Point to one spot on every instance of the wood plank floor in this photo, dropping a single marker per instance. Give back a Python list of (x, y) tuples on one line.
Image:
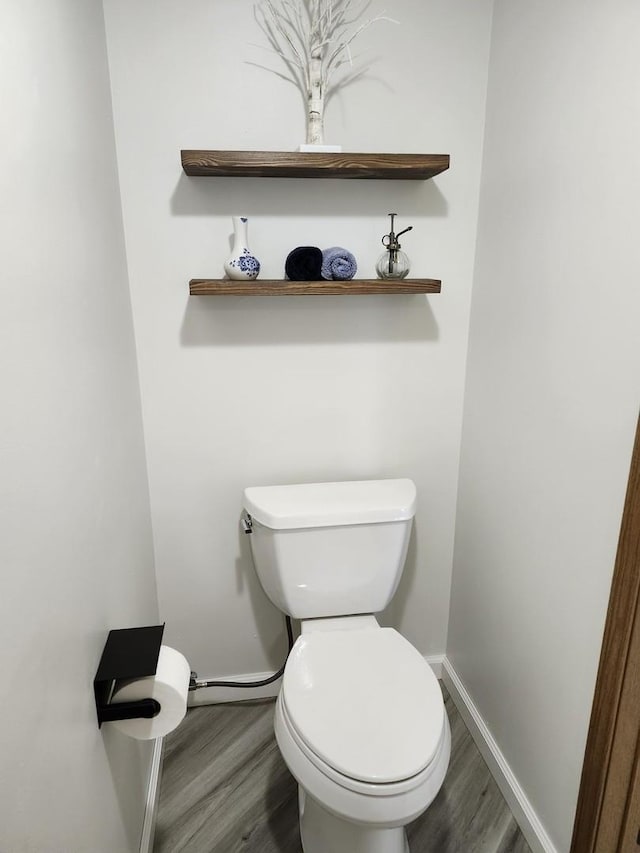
[(225, 789)]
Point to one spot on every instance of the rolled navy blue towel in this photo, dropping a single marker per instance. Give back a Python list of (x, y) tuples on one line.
[(304, 264), (338, 264)]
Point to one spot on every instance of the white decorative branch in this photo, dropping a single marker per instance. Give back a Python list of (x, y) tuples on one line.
[(313, 38)]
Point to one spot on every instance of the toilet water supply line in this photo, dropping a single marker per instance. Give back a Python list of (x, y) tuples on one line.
[(196, 683)]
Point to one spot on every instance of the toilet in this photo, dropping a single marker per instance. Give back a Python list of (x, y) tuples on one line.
[(360, 719)]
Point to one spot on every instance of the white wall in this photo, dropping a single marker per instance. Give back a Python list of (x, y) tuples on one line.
[(243, 391), (75, 540), (553, 378)]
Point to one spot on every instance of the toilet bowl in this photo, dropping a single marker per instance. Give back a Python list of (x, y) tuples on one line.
[(360, 723), (360, 719)]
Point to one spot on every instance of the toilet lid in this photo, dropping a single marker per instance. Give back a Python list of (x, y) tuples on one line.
[(366, 702)]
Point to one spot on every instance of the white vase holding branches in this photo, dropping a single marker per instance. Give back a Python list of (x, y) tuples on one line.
[(314, 38)]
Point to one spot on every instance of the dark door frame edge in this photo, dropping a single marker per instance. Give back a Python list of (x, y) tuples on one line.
[(622, 613)]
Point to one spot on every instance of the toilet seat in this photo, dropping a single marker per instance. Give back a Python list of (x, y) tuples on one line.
[(365, 790), (364, 706)]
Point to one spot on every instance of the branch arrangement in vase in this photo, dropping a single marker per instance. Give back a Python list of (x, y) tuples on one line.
[(314, 38)]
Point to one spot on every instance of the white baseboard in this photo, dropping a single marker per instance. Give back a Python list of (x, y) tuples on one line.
[(435, 662), (516, 799), (153, 792)]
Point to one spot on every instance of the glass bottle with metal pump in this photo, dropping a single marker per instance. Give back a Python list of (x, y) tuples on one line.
[(393, 263)]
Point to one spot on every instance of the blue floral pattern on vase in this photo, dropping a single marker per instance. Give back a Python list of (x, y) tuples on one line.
[(246, 263), (242, 265)]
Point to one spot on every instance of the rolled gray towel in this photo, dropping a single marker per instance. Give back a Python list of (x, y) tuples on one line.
[(338, 264)]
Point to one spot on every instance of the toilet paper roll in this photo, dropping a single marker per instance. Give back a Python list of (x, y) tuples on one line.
[(169, 686)]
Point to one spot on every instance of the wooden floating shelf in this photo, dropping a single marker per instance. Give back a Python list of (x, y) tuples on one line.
[(287, 164), (272, 287)]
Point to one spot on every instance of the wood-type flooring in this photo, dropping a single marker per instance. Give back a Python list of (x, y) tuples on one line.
[(225, 789)]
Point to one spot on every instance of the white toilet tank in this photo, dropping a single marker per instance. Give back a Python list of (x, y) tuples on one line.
[(331, 549)]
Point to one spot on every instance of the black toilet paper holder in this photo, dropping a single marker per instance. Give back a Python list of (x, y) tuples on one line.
[(128, 653)]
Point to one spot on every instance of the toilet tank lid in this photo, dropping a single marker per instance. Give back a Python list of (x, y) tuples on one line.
[(331, 504)]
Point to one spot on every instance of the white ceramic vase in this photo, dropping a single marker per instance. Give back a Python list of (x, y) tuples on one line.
[(241, 265)]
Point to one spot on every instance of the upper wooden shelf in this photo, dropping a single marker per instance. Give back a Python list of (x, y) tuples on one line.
[(287, 164), (271, 287)]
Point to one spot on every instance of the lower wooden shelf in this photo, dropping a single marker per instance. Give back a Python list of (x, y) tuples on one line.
[(273, 287)]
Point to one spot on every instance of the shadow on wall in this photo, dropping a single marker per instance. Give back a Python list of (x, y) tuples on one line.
[(291, 197), (246, 321)]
